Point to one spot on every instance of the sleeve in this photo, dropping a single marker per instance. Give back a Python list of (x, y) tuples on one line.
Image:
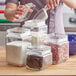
[(12, 1)]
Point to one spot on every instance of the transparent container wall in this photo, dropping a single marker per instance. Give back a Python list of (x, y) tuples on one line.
[(38, 58), (27, 14), (17, 34), (36, 25), (15, 52), (60, 48), (38, 38), (15, 46)]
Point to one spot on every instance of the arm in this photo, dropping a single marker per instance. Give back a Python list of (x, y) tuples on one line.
[(12, 10), (70, 3)]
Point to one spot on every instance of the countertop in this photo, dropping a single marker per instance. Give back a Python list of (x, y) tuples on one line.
[(66, 68)]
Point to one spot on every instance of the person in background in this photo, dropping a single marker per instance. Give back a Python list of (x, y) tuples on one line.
[(55, 14)]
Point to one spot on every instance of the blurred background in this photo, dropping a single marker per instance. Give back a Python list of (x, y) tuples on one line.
[(69, 21)]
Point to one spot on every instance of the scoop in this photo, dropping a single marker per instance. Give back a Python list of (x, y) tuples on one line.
[(41, 14)]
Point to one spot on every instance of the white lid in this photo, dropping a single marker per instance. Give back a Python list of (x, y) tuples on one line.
[(18, 43), (57, 38), (19, 32), (34, 23), (39, 50)]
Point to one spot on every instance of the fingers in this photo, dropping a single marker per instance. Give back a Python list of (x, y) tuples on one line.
[(20, 10), (16, 17), (52, 3)]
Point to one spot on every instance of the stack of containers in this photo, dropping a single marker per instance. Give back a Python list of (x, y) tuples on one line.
[(59, 46), (72, 42), (19, 50), (15, 47), (32, 46)]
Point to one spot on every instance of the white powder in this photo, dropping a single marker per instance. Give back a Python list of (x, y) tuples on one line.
[(15, 52)]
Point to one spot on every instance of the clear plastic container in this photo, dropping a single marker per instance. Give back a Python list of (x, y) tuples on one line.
[(16, 51), (38, 58), (18, 34), (38, 38), (16, 47), (59, 46), (36, 25), (26, 14)]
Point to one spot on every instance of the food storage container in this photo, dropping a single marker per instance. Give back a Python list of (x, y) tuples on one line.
[(26, 14), (72, 42), (59, 46), (38, 57), (16, 51), (36, 25), (16, 45), (38, 38), (18, 34)]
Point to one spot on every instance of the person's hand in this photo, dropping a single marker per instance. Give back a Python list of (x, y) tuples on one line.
[(52, 3), (21, 10)]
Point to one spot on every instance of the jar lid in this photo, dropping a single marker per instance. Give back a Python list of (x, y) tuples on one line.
[(18, 43), (18, 32), (57, 38), (39, 50), (34, 23)]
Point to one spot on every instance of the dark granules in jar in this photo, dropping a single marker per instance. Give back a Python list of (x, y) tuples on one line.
[(34, 62)]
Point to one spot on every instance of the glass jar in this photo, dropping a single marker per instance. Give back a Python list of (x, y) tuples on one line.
[(72, 42), (59, 46), (36, 25), (38, 57)]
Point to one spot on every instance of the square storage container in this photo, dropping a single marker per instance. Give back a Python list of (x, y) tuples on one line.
[(59, 46), (15, 52), (16, 47), (36, 25), (38, 57)]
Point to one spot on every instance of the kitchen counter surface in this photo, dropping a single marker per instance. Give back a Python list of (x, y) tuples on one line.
[(67, 68)]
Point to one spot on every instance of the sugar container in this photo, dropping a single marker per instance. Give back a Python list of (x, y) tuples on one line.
[(16, 47)]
